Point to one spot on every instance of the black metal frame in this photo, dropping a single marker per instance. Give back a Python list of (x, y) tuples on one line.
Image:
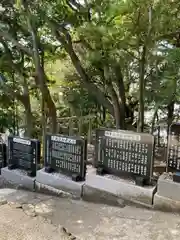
[(49, 161)]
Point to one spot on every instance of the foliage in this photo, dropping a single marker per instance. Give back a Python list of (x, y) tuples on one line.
[(114, 59)]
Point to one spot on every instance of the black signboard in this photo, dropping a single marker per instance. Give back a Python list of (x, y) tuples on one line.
[(173, 153), (24, 153), (2, 155), (67, 155), (125, 153)]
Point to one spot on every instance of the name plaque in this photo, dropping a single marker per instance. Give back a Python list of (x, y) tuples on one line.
[(173, 153), (119, 151), (67, 155), (24, 153)]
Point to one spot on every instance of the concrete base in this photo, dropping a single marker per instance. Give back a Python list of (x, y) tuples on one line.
[(113, 188), (167, 197), (18, 178), (166, 204), (167, 188), (41, 188), (59, 181)]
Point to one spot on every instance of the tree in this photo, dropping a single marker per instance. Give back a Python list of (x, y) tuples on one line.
[(113, 46), (22, 20)]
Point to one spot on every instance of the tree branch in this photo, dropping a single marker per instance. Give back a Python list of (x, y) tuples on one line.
[(85, 43), (66, 41), (7, 36)]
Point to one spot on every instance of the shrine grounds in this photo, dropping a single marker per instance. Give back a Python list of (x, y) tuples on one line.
[(67, 197)]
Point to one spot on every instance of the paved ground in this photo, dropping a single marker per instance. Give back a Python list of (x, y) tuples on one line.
[(28, 215), (16, 225)]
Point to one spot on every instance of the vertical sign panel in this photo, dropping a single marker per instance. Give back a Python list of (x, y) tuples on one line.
[(127, 152), (173, 156), (24, 153), (66, 154), (3, 155)]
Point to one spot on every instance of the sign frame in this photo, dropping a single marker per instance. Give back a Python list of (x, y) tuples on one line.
[(13, 162), (168, 167), (70, 140), (3, 152), (100, 162)]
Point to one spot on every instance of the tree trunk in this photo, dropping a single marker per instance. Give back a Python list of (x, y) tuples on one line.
[(28, 111), (103, 115), (29, 118), (25, 100), (41, 78), (153, 120), (141, 91), (170, 113), (118, 111), (122, 96), (92, 88), (41, 83), (84, 78)]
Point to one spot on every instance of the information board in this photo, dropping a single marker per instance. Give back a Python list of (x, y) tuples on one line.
[(66, 154), (119, 151), (24, 153), (3, 154), (173, 153)]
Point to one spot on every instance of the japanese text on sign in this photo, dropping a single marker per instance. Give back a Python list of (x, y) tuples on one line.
[(128, 137), (125, 151), (65, 154), (24, 153), (173, 158)]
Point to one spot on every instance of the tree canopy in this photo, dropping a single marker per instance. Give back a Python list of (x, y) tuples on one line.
[(118, 60)]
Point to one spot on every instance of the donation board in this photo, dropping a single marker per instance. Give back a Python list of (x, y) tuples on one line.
[(66, 154), (173, 156), (24, 153), (119, 151)]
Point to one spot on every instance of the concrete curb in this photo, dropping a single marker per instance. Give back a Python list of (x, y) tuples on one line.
[(94, 195), (167, 197), (45, 189), (60, 182), (166, 204), (100, 189), (106, 189), (167, 188), (19, 178), (113, 188)]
